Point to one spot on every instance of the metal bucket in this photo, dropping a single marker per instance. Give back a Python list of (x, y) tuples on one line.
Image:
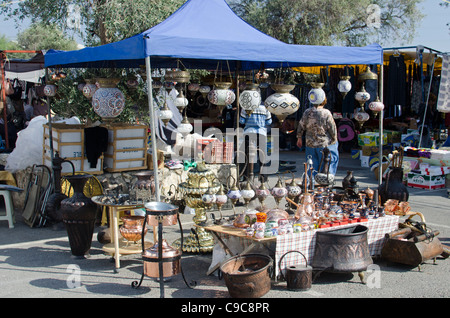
[(298, 277), (247, 276)]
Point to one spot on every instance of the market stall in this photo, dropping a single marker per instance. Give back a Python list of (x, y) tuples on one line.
[(231, 44)]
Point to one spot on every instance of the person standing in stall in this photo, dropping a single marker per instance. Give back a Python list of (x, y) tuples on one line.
[(320, 131)]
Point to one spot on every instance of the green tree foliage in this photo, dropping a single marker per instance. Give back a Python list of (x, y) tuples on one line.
[(331, 22), (41, 36)]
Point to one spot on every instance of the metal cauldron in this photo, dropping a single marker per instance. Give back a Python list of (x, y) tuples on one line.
[(343, 250), (298, 277), (247, 276)]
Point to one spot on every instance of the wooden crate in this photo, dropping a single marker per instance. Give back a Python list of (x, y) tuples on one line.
[(127, 147), (68, 140)]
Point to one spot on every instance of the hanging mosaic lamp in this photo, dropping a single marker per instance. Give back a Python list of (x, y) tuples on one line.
[(221, 95), (316, 95), (193, 88), (344, 85), (165, 114), (361, 116), (108, 101), (181, 102), (282, 103), (250, 98), (90, 88), (204, 90), (185, 127), (362, 96), (156, 83), (376, 106), (50, 90)]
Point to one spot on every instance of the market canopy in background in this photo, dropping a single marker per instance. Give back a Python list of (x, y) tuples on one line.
[(31, 70), (201, 33)]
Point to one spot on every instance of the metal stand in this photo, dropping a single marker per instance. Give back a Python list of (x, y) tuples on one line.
[(160, 216)]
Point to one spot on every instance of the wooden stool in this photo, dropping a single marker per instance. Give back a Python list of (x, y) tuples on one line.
[(9, 208)]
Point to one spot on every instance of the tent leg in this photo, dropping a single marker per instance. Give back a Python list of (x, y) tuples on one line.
[(152, 127)]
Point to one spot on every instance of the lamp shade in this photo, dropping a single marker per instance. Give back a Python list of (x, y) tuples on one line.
[(89, 89), (250, 98), (221, 94), (282, 103), (108, 101), (50, 90), (344, 85), (316, 95)]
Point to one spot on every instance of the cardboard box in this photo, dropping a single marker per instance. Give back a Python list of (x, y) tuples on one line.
[(417, 180), (373, 151), (371, 139)]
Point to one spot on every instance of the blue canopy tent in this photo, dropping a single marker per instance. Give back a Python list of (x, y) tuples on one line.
[(202, 33)]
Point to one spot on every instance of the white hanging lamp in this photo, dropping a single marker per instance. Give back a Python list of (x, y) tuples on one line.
[(165, 114), (344, 85), (221, 95), (250, 98), (376, 106), (180, 101), (316, 95), (282, 103), (185, 127)]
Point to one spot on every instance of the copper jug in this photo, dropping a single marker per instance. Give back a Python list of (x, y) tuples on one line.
[(170, 258)]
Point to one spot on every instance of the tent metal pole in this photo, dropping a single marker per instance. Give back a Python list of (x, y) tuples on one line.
[(152, 127), (237, 120), (380, 128)]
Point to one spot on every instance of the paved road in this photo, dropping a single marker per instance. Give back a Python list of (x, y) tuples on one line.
[(37, 263)]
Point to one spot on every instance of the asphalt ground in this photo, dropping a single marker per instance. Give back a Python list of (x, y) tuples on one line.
[(37, 262)]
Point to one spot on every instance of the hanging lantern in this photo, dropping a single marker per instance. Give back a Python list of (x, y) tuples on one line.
[(193, 88), (50, 90), (177, 76), (282, 103), (132, 82), (344, 85), (89, 89), (181, 102), (221, 95), (362, 96), (250, 98), (204, 90), (361, 116), (108, 101), (367, 75), (316, 95), (376, 106), (165, 114), (185, 127)]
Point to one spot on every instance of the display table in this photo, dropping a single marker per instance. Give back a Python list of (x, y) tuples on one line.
[(119, 246), (222, 232), (303, 241)]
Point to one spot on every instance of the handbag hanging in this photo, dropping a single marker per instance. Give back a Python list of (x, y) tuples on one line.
[(17, 88)]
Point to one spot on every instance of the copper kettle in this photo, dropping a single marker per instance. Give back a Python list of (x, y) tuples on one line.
[(170, 258)]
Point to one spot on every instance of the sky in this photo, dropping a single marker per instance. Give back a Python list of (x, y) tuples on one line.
[(432, 31)]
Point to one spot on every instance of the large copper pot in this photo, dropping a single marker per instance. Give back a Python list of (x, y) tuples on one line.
[(247, 276), (343, 250), (170, 259)]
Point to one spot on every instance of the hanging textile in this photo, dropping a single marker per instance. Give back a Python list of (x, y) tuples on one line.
[(396, 88), (443, 104)]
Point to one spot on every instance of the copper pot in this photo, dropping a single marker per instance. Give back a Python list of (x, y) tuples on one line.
[(170, 258), (131, 229)]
